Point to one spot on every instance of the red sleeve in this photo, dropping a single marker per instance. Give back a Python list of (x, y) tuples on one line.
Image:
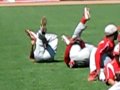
[(102, 47), (66, 54)]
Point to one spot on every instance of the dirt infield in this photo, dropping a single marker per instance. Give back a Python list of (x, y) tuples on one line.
[(59, 3)]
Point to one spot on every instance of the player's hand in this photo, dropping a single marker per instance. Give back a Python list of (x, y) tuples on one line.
[(72, 40), (101, 75)]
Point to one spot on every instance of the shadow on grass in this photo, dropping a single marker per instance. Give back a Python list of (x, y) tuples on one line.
[(50, 61), (80, 64)]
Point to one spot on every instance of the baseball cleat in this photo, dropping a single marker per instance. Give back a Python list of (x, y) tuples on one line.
[(86, 13), (92, 76), (31, 35), (28, 32), (43, 21), (65, 39), (43, 25)]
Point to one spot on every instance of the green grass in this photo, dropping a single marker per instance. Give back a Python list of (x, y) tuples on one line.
[(18, 73)]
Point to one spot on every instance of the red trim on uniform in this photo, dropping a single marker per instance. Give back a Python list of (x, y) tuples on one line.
[(106, 46), (83, 20), (67, 51), (66, 54)]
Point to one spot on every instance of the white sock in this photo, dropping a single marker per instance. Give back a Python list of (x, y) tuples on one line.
[(78, 30)]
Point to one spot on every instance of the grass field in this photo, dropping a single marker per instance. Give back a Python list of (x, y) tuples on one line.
[(18, 73)]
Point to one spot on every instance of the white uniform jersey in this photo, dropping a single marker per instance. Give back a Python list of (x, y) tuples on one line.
[(45, 53)]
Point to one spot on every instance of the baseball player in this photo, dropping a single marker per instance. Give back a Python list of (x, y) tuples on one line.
[(112, 69), (77, 52), (43, 44), (103, 53)]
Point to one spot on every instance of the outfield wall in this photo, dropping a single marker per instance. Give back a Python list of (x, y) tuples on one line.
[(54, 2), (12, 1)]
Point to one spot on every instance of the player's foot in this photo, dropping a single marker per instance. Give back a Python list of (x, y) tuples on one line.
[(92, 76), (65, 39), (43, 21), (28, 32), (32, 37), (71, 64), (87, 13), (43, 25)]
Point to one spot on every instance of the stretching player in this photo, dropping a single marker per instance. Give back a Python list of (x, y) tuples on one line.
[(44, 45), (78, 52), (103, 53)]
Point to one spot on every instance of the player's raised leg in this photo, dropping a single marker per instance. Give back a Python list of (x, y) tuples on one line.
[(81, 25)]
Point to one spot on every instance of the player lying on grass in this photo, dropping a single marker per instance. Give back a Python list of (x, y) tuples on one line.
[(103, 53), (77, 53), (43, 45)]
